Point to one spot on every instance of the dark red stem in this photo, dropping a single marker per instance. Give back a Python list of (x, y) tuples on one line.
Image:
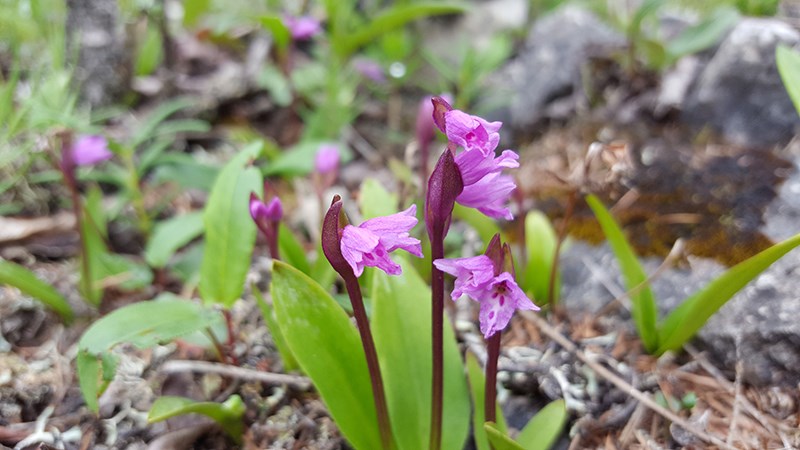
[(437, 302), (490, 392), (356, 300)]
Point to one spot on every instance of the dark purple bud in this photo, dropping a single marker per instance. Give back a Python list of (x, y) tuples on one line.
[(332, 226), (444, 186), (440, 108)]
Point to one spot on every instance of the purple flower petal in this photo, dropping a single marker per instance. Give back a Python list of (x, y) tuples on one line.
[(471, 274), (369, 244), (474, 165), (89, 150), (490, 195), (498, 303), (472, 132)]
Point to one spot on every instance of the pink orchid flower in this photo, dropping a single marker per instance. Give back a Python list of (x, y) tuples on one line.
[(370, 243)]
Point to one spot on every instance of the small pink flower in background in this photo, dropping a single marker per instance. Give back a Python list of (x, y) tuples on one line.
[(267, 217), (260, 211), (499, 296), (370, 69), (302, 28), (89, 150), (327, 159), (370, 243)]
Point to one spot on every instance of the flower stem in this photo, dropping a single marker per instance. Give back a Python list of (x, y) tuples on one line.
[(86, 282), (356, 300), (490, 392), (437, 326)]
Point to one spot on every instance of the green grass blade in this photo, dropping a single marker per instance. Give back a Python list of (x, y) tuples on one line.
[(788, 61), (643, 303), (29, 284), (692, 314)]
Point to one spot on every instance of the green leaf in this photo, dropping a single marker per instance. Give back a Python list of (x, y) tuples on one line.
[(170, 235), (704, 34), (279, 31), (485, 226), (271, 321), (29, 284), (540, 245), (271, 79), (147, 323), (375, 200), (150, 51), (142, 324), (498, 439), (147, 129), (227, 414), (193, 10), (643, 303), (477, 384), (788, 62), (93, 232), (230, 233), (388, 20), (328, 348), (401, 324), (545, 427), (682, 323), (292, 250), (122, 272)]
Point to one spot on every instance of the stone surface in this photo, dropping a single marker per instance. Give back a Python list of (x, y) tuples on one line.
[(740, 93), (545, 78), (103, 69)]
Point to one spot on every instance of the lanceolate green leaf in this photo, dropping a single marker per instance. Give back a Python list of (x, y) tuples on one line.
[(477, 385), (142, 324), (692, 314), (170, 235), (376, 200), (401, 324), (540, 245), (545, 427), (485, 226), (328, 348), (292, 250), (643, 303), (227, 414), (705, 34), (230, 233), (24, 280), (268, 313), (499, 440), (788, 61)]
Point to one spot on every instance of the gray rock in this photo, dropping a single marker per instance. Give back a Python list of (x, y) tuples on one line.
[(95, 31), (545, 78), (740, 93)]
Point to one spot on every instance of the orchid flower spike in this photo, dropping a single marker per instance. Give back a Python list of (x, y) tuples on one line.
[(369, 244), (489, 280), (486, 187)]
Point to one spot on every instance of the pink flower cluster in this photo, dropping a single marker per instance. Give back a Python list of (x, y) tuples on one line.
[(498, 295), (486, 188)]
